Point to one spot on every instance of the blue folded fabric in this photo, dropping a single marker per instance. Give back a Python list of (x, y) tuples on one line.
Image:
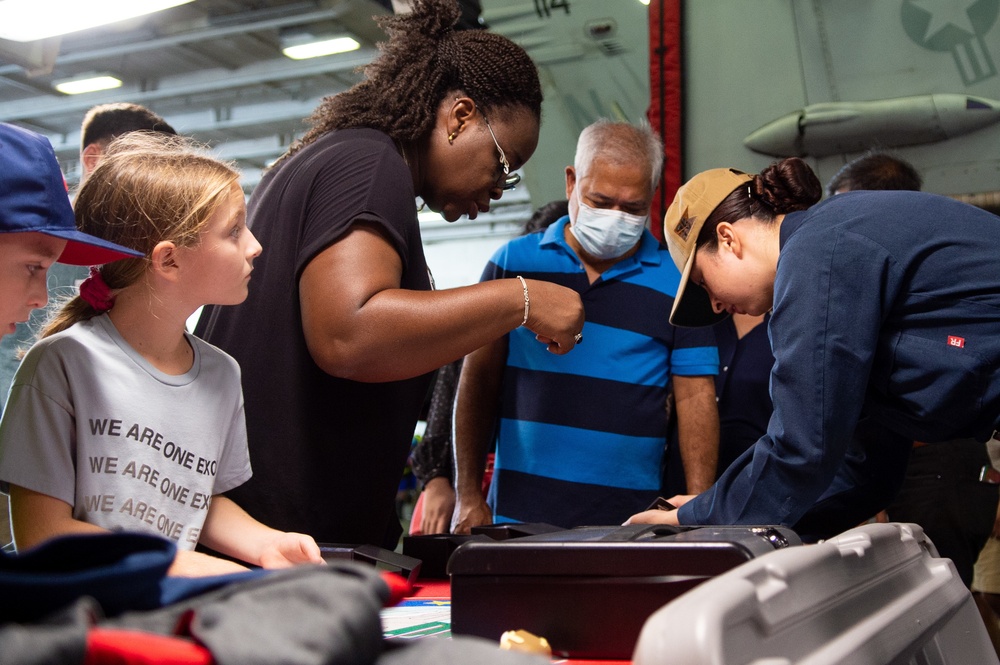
[(122, 571)]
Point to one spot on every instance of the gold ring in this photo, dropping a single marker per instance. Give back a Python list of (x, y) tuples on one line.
[(578, 337)]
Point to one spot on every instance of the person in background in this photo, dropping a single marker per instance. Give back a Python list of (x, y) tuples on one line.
[(341, 331), (879, 338), (545, 215), (875, 170), (119, 420), (579, 439), (986, 572), (433, 458), (741, 389), (105, 122)]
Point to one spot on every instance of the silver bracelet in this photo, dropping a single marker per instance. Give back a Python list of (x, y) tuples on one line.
[(527, 303)]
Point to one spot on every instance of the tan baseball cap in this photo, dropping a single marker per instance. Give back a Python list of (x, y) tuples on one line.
[(692, 205)]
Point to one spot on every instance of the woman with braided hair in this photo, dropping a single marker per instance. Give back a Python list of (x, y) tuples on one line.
[(885, 312), (342, 330)]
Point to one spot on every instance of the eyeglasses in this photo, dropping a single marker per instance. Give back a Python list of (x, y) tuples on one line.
[(509, 180)]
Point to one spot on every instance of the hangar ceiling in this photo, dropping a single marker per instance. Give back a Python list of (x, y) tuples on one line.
[(213, 68)]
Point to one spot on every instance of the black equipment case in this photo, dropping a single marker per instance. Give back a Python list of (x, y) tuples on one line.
[(434, 550), (589, 590)]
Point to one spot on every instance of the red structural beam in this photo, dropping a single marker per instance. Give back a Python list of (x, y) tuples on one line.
[(665, 100)]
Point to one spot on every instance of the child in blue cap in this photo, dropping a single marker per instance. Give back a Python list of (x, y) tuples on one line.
[(37, 226)]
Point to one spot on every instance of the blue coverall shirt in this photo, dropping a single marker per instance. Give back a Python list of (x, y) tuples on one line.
[(886, 310)]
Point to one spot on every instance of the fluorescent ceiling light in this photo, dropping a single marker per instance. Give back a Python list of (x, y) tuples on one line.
[(316, 49), (89, 84), (29, 20)]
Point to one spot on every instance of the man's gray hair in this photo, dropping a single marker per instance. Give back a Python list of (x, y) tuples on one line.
[(619, 143)]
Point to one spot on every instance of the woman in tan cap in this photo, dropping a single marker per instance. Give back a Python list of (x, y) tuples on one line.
[(885, 313)]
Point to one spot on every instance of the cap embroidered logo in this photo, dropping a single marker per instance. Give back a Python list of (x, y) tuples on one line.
[(683, 227)]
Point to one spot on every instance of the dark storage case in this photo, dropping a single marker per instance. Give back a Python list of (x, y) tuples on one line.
[(394, 562), (434, 550), (589, 590)]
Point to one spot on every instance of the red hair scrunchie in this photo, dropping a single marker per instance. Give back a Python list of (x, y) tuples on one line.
[(96, 292)]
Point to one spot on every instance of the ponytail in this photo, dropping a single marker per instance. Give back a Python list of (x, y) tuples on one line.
[(95, 298)]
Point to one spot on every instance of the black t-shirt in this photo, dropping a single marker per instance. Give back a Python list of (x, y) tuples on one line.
[(327, 453)]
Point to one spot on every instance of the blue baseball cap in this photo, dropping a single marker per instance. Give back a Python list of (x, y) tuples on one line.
[(33, 198)]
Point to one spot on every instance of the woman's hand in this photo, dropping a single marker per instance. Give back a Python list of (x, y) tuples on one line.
[(661, 516), (654, 517), (555, 315), (680, 499)]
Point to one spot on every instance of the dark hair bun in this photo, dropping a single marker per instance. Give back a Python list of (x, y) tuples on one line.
[(788, 185)]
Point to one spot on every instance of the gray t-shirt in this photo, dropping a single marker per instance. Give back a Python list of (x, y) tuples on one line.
[(92, 423)]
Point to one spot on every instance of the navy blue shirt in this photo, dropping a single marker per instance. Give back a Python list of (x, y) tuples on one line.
[(886, 305), (742, 388)]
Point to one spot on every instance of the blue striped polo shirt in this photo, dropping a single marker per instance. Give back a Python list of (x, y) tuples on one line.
[(581, 435)]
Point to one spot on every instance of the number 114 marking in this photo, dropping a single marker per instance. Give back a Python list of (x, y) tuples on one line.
[(545, 7)]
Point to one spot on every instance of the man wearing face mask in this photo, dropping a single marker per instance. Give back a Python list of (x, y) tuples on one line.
[(580, 438)]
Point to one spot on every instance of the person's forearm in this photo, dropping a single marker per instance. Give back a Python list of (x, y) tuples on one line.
[(359, 323), (476, 410), (399, 333), (230, 530), (36, 518), (697, 430), (25, 538), (197, 564), (476, 407)]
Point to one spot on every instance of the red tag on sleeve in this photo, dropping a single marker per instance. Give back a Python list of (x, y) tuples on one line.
[(956, 341)]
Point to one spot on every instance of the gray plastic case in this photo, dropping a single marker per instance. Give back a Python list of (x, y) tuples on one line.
[(876, 594)]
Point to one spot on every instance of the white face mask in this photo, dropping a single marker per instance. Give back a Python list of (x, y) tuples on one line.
[(606, 234)]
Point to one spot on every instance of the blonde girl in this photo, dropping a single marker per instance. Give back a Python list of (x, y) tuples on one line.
[(118, 419)]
